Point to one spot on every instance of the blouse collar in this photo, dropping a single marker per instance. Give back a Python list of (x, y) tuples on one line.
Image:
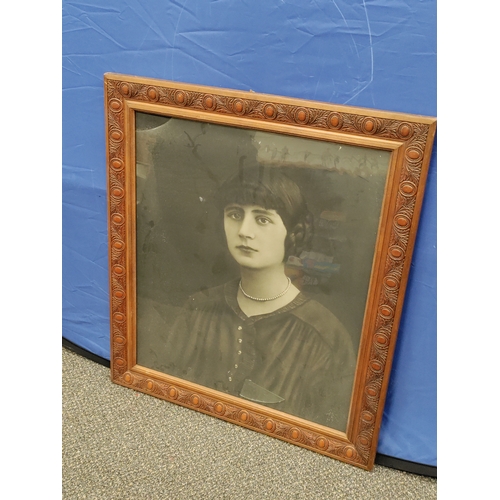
[(231, 293)]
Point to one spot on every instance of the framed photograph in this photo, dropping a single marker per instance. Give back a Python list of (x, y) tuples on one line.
[(259, 253)]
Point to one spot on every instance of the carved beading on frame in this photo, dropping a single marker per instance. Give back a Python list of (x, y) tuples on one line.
[(413, 137)]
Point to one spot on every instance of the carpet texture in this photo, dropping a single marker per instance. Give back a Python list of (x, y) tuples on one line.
[(124, 445)]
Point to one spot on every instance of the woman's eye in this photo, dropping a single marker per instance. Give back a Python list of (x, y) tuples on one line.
[(234, 215), (263, 221)]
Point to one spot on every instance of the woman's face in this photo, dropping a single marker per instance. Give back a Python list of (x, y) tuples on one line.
[(255, 235)]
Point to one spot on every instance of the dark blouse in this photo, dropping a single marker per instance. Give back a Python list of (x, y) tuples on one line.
[(298, 359)]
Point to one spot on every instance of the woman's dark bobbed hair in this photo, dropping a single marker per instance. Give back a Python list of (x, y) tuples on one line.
[(270, 188)]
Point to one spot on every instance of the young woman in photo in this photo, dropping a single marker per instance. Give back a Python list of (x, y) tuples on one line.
[(259, 337)]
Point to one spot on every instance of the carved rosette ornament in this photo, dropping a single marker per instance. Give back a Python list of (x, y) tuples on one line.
[(412, 137)]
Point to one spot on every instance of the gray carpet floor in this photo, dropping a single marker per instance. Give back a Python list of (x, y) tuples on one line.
[(121, 444)]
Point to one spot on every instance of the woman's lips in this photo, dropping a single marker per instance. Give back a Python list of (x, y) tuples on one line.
[(246, 249)]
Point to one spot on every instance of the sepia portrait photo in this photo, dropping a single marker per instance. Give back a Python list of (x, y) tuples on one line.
[(254, 254)]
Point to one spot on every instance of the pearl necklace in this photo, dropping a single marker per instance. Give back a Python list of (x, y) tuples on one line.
[(270, 298)]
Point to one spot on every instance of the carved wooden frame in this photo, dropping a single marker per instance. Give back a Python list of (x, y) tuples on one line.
[(409, 137)]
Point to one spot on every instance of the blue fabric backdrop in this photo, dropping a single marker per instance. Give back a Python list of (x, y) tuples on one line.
[(378, 53)]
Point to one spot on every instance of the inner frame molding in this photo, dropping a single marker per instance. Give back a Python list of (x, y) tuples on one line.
[(404, 142)]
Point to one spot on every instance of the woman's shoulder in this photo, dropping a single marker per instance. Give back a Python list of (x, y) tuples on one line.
[(207, 293), (314, 313), (213, 294), (322, 320)]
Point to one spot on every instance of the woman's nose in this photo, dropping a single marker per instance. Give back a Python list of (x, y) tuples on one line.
[(246, 227)]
